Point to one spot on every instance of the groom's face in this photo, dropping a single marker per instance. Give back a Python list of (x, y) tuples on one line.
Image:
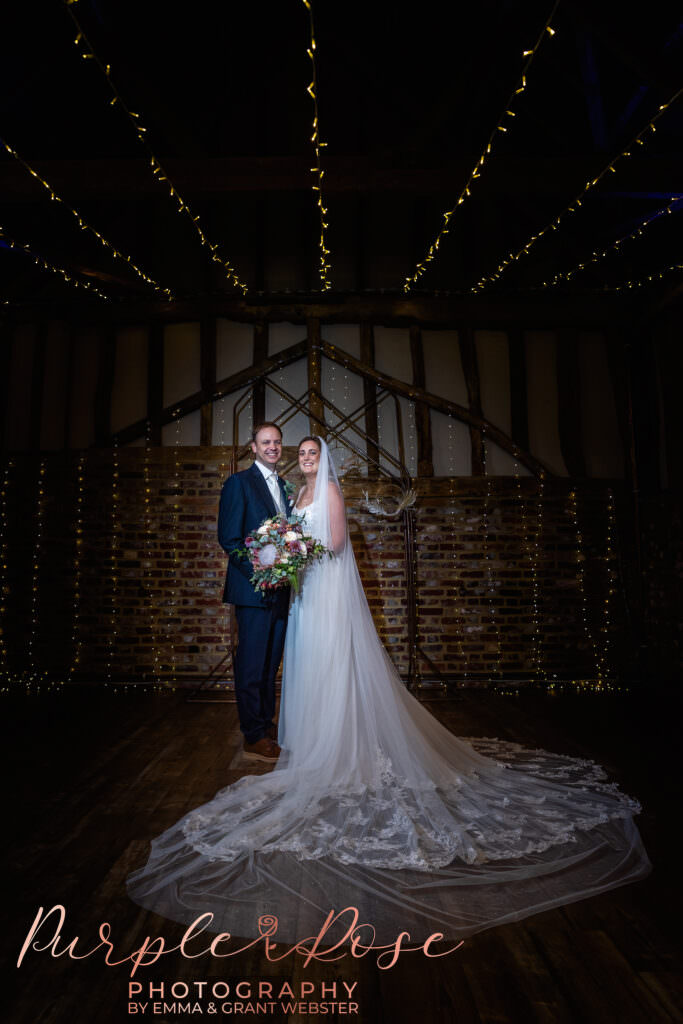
[(267, 447)]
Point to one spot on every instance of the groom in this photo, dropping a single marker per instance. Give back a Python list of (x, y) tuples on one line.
[(247, 499)]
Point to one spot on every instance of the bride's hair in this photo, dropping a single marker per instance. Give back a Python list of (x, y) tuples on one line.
[(316, 440)]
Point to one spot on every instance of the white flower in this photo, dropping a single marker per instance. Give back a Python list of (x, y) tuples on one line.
[(290, 536), (302, 548), (263, 529), (284, 558), (267, 554)]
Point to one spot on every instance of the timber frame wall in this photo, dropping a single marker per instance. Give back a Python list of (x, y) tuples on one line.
[(499, 645)]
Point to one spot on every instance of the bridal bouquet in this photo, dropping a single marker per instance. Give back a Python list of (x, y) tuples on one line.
[(278, 550)]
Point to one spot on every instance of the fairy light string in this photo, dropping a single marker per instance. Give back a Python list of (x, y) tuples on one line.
[(603, 653), (537, 658), (642, 282), (83, 224), (456, 546), (598, 254), (45, 265), (87, 52), (76, 641), (148, 555), (638, 140), (114, 562), (488, 556), (174, 553), (324, 268), (501, 128), (35, 566), (530, 556)]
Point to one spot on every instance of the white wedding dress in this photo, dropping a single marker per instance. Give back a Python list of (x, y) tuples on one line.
[(375, 805)]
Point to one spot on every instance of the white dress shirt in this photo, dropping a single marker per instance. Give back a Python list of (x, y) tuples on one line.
[(270, 476)]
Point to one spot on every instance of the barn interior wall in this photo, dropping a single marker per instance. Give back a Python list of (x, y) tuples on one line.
[(113, 571)]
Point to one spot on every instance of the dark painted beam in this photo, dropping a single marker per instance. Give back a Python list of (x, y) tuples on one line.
[(103, 389), (423, 421), (367, 359), (260, 354), (569, 403), (155, 383), (214, 178), (235, 382), (519, 409), (460, 412), (468, 355), (207, 342)]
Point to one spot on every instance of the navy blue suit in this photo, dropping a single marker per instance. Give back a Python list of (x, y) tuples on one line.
[(262, 619)]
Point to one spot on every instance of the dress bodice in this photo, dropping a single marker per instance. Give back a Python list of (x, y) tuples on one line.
[(309, 518)]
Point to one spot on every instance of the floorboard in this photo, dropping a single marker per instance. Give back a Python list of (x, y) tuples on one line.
[(92, 776)]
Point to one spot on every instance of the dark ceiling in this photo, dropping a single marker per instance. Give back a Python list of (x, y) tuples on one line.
[(407, 98)]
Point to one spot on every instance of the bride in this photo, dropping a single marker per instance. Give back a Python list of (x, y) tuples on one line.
[(374, 804)]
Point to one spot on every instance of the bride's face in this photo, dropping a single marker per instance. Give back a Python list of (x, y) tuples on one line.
[(309, 458)]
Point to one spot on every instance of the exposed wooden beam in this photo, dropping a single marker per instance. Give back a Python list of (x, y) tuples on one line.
[(616, 361), (519, 412), (155, 383), (537, 311), (315, 375), (260, 353), (569, 403), (440, 404), (68, 397), (207, 372), (468, 355), (222, 176), (367, 358), (235, 382), (37, 385), (103, 389), (423, 422)]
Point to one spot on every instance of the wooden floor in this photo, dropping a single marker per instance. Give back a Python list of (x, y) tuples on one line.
[(93, 775)]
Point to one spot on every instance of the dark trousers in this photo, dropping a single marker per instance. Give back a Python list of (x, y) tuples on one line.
[(258, 656)]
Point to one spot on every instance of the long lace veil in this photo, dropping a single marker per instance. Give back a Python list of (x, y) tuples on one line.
[(376, 806)]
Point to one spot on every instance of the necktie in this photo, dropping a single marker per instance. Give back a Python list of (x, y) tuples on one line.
[(275, 490)]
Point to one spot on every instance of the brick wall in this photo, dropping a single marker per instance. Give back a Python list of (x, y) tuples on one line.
[(499, 586)]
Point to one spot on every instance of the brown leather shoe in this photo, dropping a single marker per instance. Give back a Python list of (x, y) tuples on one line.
[(263, 750)]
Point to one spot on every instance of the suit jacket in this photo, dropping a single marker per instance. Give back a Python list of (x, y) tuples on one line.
[(245, 502)]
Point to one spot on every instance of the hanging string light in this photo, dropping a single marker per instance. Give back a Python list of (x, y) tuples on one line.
[(83, 224), (87, 52), (537, 655), (644, 281), (501, 128), (412, 441), (456, 568), (598, 255), (581, 578), (490, 583), (40, 262), (318, 171), (576, 203), (531, 560), (151, 626), (35, 575), (76, 642), (603, 671), (174, 553), (114, 562)]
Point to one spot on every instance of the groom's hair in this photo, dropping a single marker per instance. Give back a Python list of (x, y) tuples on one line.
[(262, 426)]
